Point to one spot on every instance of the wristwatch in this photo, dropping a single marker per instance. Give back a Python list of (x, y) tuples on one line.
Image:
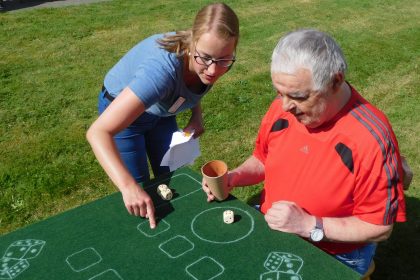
[(317, 234)]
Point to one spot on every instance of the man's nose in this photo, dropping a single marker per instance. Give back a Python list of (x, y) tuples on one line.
[(288, 104)]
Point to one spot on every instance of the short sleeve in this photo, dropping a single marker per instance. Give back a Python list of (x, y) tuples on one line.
[(153, 81), (379, 197)]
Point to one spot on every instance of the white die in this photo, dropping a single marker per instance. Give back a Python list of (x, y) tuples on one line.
[(228, 217), (164, 192), (162, 187)]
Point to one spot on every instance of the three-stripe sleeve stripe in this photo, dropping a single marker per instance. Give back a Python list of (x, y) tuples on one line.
[(370, 121)]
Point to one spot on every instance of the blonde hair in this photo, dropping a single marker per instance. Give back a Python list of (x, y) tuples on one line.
[(217, 17)]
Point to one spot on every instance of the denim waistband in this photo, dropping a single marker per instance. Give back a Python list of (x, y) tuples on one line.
[(107, 95)]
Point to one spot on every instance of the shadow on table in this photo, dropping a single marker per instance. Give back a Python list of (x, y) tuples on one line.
[(162, 207)]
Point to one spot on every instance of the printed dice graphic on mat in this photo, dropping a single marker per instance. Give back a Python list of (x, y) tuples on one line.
[(14, 260), (10, 268), (278, 275), (283, 262), (24, 249), (4, 274)]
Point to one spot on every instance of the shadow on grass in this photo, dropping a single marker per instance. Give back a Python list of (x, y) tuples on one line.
[(398, 257), (19, 4), (14, 5)]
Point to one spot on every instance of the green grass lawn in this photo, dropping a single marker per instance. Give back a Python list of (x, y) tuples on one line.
[(53, 62)]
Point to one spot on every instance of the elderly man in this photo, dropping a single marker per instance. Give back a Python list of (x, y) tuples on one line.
[(329, 159)]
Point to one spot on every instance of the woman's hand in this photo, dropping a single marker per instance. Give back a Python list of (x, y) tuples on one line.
[(138, 203), (196, 123)]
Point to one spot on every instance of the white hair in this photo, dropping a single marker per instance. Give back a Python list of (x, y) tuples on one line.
[(310, 49)]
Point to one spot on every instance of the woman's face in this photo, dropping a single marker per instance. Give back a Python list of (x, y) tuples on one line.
[(210, 55)]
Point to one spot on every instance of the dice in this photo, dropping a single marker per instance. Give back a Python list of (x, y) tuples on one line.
[(283, 262), (14, 260), (228, 217), (164, 192), (278, 275), (24, 249), (10, 268)]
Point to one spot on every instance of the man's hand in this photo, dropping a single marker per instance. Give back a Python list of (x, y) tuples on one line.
[(206, 189), (287, 216), (139, 203)]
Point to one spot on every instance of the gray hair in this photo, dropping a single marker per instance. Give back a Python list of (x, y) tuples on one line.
[(310, 49)]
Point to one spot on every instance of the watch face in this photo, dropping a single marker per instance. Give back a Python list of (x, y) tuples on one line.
[(317, 235)]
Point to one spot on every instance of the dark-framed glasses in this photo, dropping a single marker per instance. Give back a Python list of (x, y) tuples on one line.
[(206, 60)]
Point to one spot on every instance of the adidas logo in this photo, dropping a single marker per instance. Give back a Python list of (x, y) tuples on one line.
[(305, 149)]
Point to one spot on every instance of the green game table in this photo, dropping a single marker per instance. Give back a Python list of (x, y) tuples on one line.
[(100, 240)]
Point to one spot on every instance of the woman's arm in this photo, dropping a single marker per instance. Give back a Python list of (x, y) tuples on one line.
[(119, 115), (196, 121)]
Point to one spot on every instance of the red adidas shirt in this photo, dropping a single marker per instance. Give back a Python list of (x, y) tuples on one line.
[(350, 166)]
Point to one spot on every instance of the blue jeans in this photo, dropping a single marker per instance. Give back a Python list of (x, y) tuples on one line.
[(148, 136), (359, 259)]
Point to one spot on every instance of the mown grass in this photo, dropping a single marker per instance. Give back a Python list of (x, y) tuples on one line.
[(53, 62)]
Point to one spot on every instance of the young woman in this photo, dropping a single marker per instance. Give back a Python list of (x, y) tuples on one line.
[(158, 78)]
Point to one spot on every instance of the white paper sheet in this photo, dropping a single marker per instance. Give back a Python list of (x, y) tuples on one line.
[(183, 150)]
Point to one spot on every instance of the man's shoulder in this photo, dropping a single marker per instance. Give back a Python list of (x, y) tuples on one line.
[(366, 129), (368, 118), (363, 107)]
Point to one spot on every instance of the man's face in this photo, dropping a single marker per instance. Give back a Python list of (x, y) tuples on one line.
[(310, 107)]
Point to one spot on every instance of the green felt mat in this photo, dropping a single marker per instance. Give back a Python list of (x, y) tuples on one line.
[(100, 240)]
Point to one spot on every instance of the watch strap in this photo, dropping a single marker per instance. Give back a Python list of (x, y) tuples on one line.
[(319, 223)]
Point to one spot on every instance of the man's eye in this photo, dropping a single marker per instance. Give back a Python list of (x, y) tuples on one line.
[(299, 98)]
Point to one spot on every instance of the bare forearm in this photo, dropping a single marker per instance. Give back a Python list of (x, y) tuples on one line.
[(107, 155), (352, 229), (250, 172), (119, 114), (287, 216), (195, 123), (196, 110)]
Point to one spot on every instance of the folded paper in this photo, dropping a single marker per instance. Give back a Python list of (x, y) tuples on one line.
[(183, 150)]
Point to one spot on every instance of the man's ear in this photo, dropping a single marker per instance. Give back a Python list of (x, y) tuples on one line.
[(337, 81)]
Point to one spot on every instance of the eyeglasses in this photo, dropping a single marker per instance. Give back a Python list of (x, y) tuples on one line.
[(205, 60)]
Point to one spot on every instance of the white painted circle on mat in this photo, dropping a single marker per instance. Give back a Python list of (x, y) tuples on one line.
[(216, 235)]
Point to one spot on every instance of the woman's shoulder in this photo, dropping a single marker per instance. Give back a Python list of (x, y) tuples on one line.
[(149, 42), (149, 51)]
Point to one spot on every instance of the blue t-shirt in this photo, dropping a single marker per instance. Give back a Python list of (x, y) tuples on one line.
[(155, 76)]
